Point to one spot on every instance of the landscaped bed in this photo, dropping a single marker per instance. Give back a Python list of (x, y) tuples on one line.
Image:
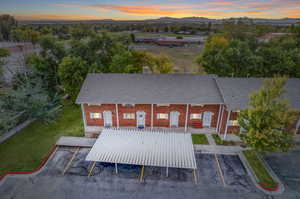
[(258, 167), (25, 150), (219, 141), (199, 139)]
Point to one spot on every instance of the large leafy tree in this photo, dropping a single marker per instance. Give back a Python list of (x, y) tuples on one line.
[(7, 23), (28, 99), (25, 33), (47, 62), (265, 124), (3, 53), (227, 58), (72, 72), (248, 58)]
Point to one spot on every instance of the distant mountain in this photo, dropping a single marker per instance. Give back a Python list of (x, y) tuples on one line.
[(283, 21)]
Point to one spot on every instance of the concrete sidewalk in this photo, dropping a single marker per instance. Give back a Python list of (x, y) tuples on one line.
[(76, 141), (218, 149)]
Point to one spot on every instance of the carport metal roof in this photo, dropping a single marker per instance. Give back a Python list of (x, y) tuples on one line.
[(141, 147)]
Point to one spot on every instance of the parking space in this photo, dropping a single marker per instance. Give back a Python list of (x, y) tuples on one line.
[(208, 169), (234, 172), (213, 170)]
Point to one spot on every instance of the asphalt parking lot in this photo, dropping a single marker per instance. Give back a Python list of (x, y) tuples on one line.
[(218, 176), (213, 170)]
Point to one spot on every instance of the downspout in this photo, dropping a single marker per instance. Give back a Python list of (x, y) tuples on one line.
[(117, 115), (229, 112), (151, 116), (186, 117), (83, 116)]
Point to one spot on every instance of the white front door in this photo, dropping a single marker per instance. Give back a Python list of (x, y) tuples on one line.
[(207, 117), (174, 118), (107, 116), (140, 119)]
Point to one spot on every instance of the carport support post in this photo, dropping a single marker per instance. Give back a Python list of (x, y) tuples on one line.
[(221, 120), (116, 166), (186, 117), (167, 172), (218, 121), (229, 112)]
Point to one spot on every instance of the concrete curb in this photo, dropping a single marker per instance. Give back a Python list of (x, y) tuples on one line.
[(33, 172), (255, 180)]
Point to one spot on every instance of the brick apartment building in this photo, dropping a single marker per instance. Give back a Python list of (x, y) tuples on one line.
[(184, 102)]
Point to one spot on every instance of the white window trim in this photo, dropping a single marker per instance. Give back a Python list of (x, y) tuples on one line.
[(92, 115), (197, 105), (94, 104), (128, 118), (195, 118), (162, 105), (128, 105), (159, 114), (233, 123)]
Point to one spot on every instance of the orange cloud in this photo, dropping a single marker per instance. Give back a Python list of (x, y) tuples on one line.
[(222, 3), (55, 17)]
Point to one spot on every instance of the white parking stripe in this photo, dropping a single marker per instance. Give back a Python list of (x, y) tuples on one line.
[(220, 170), (70, 161)]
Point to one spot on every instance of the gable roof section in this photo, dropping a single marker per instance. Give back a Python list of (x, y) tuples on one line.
[(236, 91), (149, 89)]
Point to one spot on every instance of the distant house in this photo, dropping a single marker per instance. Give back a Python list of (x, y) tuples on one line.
[(185, 102)]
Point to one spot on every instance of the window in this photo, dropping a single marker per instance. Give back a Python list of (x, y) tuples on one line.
[(195, 116), (128, 105), (233, 123), (128, 116), (197, 104), (162, 104), (95, 115), (94, 104), (163, 116)]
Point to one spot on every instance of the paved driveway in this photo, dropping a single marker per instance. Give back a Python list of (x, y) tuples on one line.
[(227, 179), (287, 167)]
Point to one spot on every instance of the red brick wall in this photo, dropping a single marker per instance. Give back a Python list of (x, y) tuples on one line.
[(214, 108), (147, 109), (99, 109), (230, 129), (138, 107)]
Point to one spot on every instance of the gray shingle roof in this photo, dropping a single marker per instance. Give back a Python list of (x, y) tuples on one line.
[(236, 91), (149, 89)]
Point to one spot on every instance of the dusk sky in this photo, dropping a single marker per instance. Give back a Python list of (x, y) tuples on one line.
[(142, 9)]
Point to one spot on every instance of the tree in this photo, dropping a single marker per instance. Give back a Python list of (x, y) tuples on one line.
[(163, 64), (29, 99), (156, 63), (7, 23), (267, 120), (72, 72), (3, 53), (81, 31), (46, 63)]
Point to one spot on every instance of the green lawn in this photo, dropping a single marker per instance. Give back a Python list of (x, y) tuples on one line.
[(259, 169), (199, 139), (219, 141), (25, 151)]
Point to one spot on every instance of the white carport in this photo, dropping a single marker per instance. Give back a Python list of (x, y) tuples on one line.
[(146, 148)]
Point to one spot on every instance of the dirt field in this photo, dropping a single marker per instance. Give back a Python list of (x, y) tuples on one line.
[(182, 57)]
